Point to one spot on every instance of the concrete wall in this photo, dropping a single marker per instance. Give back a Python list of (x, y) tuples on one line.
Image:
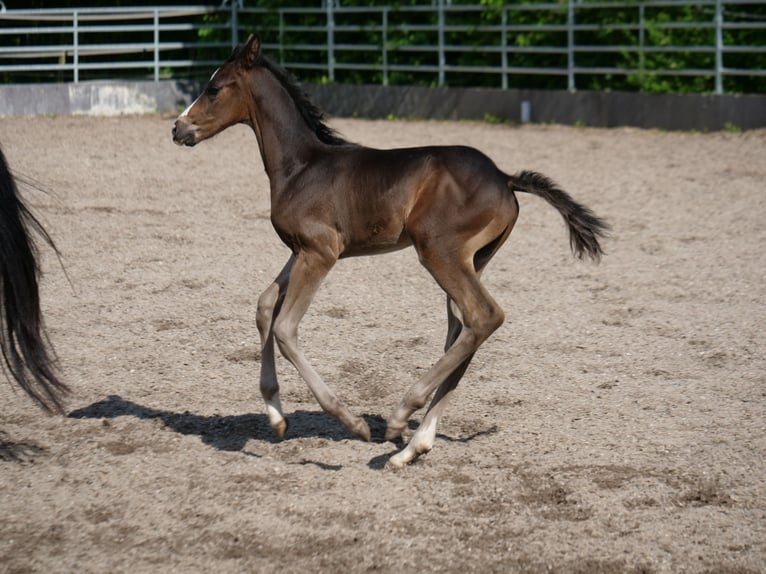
[(97, 98), (599, 109)]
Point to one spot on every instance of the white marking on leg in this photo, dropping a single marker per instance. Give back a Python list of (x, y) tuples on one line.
[(276, 418), (423, 439), (422, 442)]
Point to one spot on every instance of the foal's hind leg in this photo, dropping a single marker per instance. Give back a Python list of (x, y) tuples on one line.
[(269, 304), (455, 325), (481, 317), (423, 439)]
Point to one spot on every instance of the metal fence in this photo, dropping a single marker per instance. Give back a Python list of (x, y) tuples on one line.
[(439, 44)]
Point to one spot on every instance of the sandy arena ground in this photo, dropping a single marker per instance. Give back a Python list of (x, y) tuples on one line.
[(615, 423)]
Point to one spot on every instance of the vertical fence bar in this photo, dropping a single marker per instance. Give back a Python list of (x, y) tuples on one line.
[(234, 23), (504, 48), (570, 46), (76, 46), (384, 41), (444, 10), (718, 47), (641, 43), (156, 45), (442, 58), (281, 37), (330, 42)]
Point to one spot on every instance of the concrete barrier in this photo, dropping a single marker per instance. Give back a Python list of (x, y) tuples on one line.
[(95, 98), (597, 109)]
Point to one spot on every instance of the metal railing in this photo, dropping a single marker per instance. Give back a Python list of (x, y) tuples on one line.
[(149, 40), (446, 44)]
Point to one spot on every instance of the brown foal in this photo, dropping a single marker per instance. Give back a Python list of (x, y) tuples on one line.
[(331, 198)]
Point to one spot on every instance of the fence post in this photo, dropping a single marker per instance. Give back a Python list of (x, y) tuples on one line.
[(76, 47), (442, 58), (384, 40), (504, 48), (570, 46), (718, 47), (641, 43), (281, 37), (330, 41), (156, 45), (234, 24)]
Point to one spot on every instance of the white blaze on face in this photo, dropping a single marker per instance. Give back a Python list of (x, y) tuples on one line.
[(186, 111)]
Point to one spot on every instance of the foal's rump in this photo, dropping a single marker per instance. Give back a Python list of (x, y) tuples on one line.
[(465, 179), (458, 196)]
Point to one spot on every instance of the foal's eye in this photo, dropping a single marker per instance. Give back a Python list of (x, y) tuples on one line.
[(212, 91)]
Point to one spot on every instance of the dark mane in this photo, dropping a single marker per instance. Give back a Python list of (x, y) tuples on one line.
[(311, 114)]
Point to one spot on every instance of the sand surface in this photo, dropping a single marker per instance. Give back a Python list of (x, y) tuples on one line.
[(615, 423)]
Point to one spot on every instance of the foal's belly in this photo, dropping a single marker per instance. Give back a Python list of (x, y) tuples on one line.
[(376, 238)]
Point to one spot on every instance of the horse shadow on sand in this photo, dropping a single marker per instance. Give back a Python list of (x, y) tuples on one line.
[(232, 432)]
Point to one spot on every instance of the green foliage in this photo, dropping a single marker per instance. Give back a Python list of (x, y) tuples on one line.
[(629, 45), (655, 68)]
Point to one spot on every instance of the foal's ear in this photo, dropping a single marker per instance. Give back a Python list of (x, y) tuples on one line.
[(251, 51)]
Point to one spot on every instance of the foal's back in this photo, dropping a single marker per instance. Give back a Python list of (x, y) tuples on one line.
[(373, 196)]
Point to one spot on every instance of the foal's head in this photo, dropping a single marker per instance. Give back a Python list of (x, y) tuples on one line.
[(224, 101)]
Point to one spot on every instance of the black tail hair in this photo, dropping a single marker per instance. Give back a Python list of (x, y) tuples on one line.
[(585, 227), (27, 353)]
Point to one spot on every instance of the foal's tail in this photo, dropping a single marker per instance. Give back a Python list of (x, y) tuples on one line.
[(25, 347), (585, 227)]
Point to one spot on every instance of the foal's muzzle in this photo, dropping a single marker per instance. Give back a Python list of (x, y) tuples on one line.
[(184, 134)]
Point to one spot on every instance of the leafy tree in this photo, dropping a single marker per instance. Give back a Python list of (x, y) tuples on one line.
[(649, 47)]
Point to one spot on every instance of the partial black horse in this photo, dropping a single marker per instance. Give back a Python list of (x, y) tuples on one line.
[(27, 353)]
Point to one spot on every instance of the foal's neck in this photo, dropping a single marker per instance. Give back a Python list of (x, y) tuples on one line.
[(286, 142)]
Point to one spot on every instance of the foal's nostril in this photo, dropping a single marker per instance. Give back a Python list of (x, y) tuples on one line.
[(184, 134), (177, 132)]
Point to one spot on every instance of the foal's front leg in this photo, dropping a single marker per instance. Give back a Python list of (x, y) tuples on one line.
[(269, 304), (306, 273)]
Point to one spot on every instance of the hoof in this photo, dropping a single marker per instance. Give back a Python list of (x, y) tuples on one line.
[(398, 461), (407, 455), (362, 430), (280, 428)]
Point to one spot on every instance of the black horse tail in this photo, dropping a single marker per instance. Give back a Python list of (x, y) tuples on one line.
[(585, 227), (27, 353)]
